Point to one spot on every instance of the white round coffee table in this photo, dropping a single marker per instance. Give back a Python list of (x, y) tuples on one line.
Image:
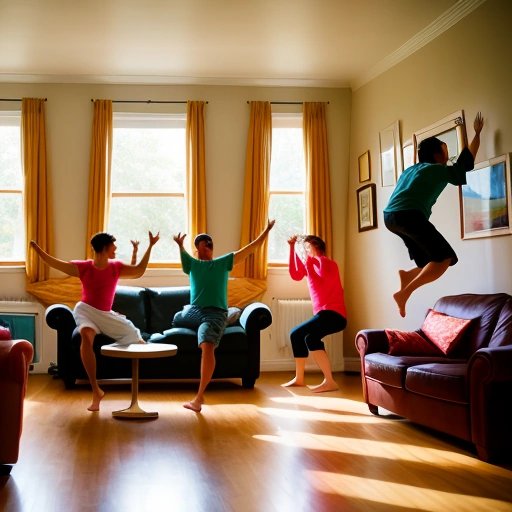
[(135, 352)]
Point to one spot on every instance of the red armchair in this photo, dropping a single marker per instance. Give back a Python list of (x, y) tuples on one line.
[(15, 359)]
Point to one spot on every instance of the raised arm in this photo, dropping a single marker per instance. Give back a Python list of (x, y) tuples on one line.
[(242, 253), (478, 124), (296, 266), (184, 255), (64, 266), (135, 271), (135, 244)]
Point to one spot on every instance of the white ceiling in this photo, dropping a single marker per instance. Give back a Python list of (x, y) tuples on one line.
[(248, 42)]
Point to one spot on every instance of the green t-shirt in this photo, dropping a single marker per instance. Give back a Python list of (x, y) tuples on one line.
[(208, 279), (421, 184)]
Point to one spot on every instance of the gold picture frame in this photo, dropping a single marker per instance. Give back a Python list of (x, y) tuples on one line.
[(451, 130), (366, 207), (364, 167)]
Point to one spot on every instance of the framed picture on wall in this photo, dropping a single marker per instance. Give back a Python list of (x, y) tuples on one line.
[(451, 130), (408, 154), (366, 207), (364, 167), (485, 200), (390, 154)]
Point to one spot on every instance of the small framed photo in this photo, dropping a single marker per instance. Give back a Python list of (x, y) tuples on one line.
[(451, 130), (364, 167), (390, 154), (485, 200), (367, 207)]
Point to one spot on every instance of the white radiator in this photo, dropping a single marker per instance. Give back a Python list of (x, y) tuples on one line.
[(286, 314)]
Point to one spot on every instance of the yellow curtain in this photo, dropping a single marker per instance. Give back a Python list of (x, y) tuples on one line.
[(318, 190), (196, 176), (37, 199), (99, 173), (256, 190)]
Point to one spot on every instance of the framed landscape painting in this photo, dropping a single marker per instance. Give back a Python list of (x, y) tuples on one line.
[(485, 201)]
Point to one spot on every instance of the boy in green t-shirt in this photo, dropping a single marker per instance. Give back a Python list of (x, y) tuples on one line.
[(410, 206), (209, 299)]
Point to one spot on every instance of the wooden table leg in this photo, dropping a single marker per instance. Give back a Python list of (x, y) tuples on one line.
[(134, 411)]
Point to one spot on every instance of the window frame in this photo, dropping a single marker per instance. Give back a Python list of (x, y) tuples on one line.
[(133, 120), (283, 120), (4, 121)]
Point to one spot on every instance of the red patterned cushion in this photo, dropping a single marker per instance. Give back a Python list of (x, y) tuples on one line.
[(402, 343), (5, 333), (443, 330)]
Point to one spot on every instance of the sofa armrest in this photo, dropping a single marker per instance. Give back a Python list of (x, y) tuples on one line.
[(491, 364), (256, 316), (60, 317), (15, 358), (490, 388), (369, 341)]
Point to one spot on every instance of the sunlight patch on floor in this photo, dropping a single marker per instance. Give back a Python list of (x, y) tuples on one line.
[(325, 403), (318, 416), (368, 447), (390, 493)]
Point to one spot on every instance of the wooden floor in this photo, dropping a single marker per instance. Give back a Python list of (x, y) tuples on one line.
[(265, 450)]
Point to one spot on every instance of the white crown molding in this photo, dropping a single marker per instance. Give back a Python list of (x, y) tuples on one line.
[(444, 22), (169, 80)]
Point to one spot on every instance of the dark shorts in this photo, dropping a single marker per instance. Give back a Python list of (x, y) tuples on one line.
[(424, 242), (209, 322)]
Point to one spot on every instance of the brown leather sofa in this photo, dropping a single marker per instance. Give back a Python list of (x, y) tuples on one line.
[(15, 359), (468, 394)]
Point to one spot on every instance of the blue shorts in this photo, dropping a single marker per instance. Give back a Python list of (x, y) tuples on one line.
[(424, 242), (209, 322)]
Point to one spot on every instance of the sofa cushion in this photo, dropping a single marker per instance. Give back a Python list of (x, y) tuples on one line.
[(164, 303), (234, 340), (403, 343), (185, 339), (444, 331), (484, 309), (131, 302), (390, 370), (444, 381)]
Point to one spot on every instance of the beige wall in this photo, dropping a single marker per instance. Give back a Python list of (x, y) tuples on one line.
[(69, 118), (466, 68)]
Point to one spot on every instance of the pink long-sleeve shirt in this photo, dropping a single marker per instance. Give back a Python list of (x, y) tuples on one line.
[(324, 282)]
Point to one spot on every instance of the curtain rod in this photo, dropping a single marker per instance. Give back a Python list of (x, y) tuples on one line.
[(290, 102), (16, 99), (149, 101)]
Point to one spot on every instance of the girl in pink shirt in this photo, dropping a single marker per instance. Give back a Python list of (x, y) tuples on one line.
[(329, 310)]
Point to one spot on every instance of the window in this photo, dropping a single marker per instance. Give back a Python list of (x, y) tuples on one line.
[(12, 227), (287, 184), (148, 183)]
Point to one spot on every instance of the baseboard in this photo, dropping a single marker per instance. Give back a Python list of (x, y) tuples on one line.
[(352, 364), (283, 365)]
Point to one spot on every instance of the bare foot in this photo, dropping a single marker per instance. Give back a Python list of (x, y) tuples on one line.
[(141, 341), (400, 300), (293, 383), (96, 399), (193, 405), (325, 386)]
